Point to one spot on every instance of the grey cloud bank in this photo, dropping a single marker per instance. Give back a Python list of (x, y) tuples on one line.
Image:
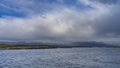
[(99, 23)]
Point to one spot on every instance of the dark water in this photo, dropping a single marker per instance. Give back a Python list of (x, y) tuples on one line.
[(61, 58)]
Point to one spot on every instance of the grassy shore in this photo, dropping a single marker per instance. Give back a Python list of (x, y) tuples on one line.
[(10, 46)]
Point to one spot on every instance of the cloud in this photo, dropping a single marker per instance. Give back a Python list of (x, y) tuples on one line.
[(52, 25), (107, 1), (98, 22)]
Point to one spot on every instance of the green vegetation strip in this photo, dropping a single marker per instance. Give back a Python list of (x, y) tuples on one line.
[(9, 46)]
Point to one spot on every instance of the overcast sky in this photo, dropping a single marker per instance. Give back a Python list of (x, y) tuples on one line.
[(60, 20)]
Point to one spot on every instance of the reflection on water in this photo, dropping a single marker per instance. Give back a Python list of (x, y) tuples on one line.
[(61, 58)]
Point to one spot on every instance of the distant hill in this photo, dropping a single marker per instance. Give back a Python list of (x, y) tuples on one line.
[(47, 45), (97, 44), (90, 43)]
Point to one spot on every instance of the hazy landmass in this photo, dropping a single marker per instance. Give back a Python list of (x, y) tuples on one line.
[(10, 46)]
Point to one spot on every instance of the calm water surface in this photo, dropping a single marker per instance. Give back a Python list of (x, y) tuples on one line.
[(61, 58)]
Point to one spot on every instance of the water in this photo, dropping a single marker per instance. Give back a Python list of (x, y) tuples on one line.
[(61, 58)]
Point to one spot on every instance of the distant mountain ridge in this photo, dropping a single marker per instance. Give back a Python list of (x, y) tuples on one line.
[(98, 44), (90, 43)]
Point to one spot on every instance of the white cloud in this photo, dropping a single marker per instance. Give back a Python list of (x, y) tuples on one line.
[(64, 24)]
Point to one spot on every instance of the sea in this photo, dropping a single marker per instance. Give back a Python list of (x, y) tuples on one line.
[(61, 58)]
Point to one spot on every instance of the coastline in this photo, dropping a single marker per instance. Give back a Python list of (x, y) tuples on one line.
[(18, 47)]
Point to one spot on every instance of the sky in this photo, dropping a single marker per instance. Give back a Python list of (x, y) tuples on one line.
[(60, 20)]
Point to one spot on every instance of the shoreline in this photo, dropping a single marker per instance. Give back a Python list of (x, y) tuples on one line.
[(24, 47)]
